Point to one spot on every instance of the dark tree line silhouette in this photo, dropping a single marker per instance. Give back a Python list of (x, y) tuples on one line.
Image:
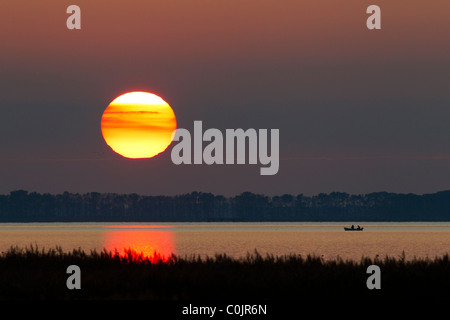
[(22, 206)]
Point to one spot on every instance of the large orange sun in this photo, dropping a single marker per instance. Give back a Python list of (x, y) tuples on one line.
[(138, 125)]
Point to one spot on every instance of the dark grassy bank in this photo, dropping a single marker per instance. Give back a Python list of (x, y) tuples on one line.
[(34, 273)]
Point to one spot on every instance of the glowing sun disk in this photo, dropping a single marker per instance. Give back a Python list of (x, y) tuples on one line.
[(138, 125)]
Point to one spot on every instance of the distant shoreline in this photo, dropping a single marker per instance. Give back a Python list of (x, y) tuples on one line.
[(22, 206)]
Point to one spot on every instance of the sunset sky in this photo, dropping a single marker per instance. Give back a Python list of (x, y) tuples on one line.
[(358, 111)]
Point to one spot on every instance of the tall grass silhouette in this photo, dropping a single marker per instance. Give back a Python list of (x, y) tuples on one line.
[(34, 273)]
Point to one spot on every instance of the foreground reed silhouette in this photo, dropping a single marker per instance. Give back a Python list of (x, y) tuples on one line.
[(33, 273)]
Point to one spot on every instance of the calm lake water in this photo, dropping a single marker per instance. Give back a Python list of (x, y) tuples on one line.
[(415, 239)]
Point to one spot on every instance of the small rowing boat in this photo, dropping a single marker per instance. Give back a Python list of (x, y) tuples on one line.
[(353, 229)]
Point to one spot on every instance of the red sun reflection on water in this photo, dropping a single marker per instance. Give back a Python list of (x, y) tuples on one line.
[(140, 241)]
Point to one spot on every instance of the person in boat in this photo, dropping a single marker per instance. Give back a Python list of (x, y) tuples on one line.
[(353, 227), (359, 227)]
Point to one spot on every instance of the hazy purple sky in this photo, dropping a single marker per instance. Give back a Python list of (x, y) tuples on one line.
[(358, 111)]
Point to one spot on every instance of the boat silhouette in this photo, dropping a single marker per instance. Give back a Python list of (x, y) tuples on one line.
[(352, 228)]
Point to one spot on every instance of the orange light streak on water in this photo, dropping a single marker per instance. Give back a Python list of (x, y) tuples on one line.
[(140, 243)]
